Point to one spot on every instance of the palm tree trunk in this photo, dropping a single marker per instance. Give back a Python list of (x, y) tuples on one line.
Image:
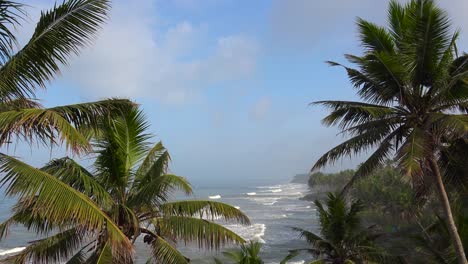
[(456, 241)]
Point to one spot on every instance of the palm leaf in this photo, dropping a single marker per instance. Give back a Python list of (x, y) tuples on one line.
[(52, 249), (209, 209), (205, 233), (163, 252), (158, 189), (70, 172), (11, 13), (60, 32), (45, 125), (57, 201)]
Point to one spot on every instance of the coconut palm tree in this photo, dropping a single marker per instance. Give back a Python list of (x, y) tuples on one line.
[(126, 191), (413, 86), (60, 33), (342, 239), (247, 254), (434, 240)]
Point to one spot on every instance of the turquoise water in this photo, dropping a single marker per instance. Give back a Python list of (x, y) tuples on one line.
[(273, 210)]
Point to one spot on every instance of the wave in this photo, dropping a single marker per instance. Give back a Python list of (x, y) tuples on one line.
[(269, 187), (265, 200), (11, 251), (237, 207), (276, 190), (253, 232), (215, 196), (251, 193)]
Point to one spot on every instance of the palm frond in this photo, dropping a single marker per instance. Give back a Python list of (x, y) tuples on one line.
[(57, 201), (164, 252), (11, 14), (70, 172), (56, 248), (413, 152), (345, 113), (121, 146), (208, 209), (62, 122), (203, 232), (158, 190), (60, 32), (374, 38), (41, 125)]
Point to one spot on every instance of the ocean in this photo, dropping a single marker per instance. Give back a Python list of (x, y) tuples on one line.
[(272, 209)]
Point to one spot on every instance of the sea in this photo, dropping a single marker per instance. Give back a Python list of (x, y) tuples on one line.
[(272, 209)]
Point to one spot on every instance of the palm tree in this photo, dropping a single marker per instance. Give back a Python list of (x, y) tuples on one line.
[(126, 192), (342, 239), (60, 33), (413, 85), (434, 241), (247, 254)]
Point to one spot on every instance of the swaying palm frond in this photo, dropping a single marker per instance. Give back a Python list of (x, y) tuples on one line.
[(56, 248), (158, 189), (57, 201), (163, 252), (60, 32), (11, 13), (45, 125), (207, 209), (205, 233), (71, 173)]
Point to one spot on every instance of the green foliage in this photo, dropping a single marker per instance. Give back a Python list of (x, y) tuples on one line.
[(386, 194), (123, 197), (342, 238), (335, 181), (247, 254), (434, 240), (412, 84)]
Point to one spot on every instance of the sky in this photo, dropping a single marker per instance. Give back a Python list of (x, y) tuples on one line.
[(225, 84)]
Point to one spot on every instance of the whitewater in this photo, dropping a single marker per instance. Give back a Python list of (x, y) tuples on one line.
[(273, 211)]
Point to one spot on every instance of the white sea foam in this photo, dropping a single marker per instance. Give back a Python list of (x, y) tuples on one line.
[(215, 196), (269, 187), (253, 232), (251, 193), (4, 252), (265, 200), (276, 190), (237, 207), (308, 207)]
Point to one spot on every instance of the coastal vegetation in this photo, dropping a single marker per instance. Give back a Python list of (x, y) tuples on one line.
[(412, 84), (406, 203), (342, 238), (129, 185)]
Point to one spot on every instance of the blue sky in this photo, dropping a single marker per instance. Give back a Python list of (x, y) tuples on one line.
[(225, 83)]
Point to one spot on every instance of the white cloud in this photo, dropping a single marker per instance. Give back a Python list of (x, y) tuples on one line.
[(260, 108), (135, 56), (308, 24)]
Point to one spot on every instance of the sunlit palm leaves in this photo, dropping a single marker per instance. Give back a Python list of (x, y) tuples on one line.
[(122, 197)]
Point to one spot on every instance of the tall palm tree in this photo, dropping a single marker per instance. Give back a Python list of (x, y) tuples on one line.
[(414, 90), (125, 192), (342, 239), (60, 33)]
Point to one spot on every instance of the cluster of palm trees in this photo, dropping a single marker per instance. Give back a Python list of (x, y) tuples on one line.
[(413, 86), (95, 214)]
